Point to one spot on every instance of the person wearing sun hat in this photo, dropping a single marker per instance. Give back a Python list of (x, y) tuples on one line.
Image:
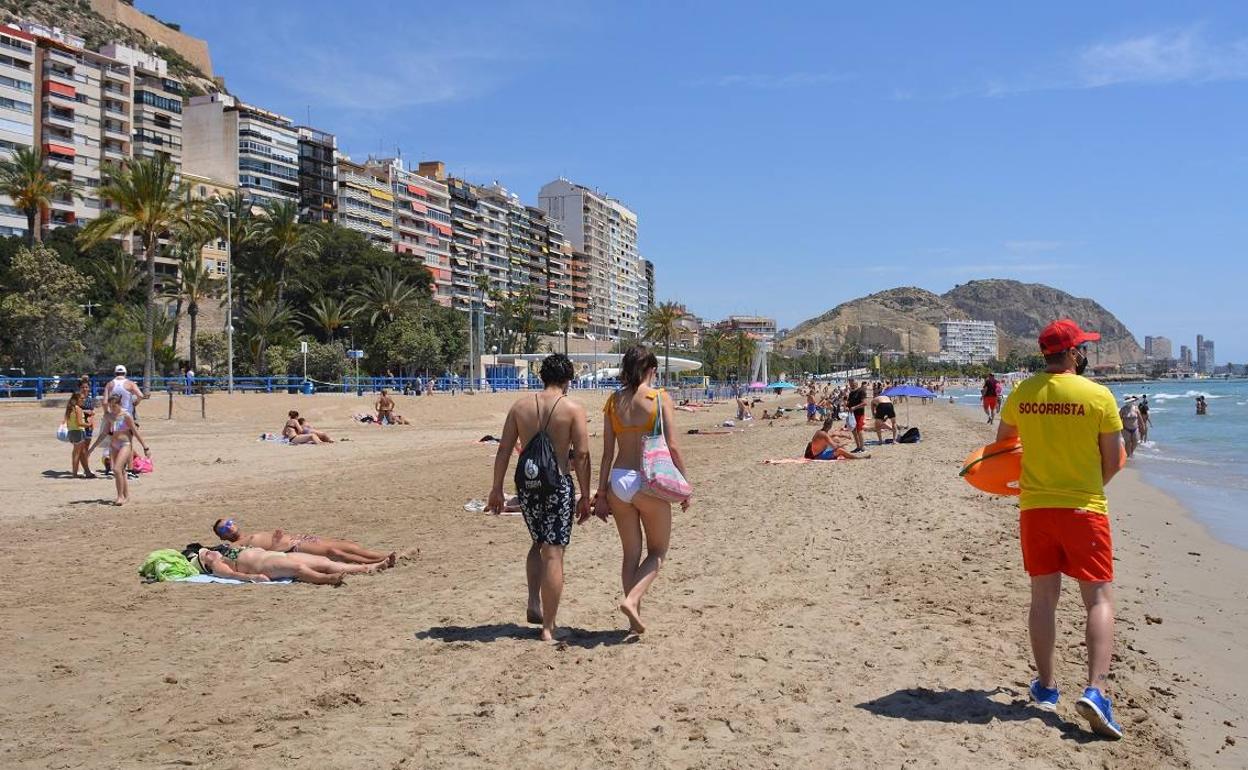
[(1071, 434)]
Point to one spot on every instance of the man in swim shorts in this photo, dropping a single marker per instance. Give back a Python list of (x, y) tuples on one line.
[(988, 395), (1071, 432), (885, 417), (277, 540), (856, 402), (547, 516)]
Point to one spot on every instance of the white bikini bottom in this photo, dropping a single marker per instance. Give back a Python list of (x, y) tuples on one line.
[(625, 483)]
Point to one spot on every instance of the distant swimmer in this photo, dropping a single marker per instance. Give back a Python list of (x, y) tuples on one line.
[(828, 444), (1201, 406), (1073, 438)]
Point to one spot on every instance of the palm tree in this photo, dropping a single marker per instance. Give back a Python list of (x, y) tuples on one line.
[(198, 284), (32, 188), (120, 276), (149, 200), (566, 317), (288, 240), (660, 324), (712, 344), (328, 315), (262, 322), (743, 343), (386, 296)]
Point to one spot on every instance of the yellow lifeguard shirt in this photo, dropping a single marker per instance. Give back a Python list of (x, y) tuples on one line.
[(1060, 419)]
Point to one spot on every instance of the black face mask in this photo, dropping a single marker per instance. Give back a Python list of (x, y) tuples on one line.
[(1081, 363)]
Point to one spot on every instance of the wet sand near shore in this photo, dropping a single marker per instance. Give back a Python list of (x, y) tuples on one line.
[(840, 614)]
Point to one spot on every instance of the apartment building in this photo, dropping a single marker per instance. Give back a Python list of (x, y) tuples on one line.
[(760, 327), (17, 111), (318, 175), (968, 342), (647, 298), (241, 144), (156, 110), (1204, 355), (365, 203), (605, 232)]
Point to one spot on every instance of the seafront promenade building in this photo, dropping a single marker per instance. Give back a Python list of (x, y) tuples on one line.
[(760, 327), (1204, 355), (318, 176), (968, 342), (241, 144), (17, 111), (604, 230), (1158, 348)]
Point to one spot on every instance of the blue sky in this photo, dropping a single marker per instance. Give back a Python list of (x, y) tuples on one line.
[(786, 157)]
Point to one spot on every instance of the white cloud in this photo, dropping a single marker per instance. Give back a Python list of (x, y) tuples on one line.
[(1173, 56), (774, 82)]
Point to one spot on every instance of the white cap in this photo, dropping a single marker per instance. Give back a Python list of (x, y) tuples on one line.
[(119, 369)]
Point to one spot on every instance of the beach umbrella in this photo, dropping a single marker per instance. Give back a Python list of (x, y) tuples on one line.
[(908, 390), (782, 385), (757, 385)]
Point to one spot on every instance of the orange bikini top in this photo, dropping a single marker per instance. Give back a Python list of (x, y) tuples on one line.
[(618, 427)]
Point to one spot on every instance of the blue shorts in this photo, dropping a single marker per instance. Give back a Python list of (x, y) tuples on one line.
[(827, 454)]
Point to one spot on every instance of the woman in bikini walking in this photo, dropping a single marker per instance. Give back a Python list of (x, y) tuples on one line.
[(122, 430), (631, 414)]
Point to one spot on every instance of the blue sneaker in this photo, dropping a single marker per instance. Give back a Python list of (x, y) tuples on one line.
[(1043, 697), (1095, 708)]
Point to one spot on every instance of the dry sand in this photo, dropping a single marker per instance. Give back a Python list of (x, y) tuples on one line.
[(846, 614)]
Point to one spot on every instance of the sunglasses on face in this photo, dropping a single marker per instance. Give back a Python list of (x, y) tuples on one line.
[(226, 526)]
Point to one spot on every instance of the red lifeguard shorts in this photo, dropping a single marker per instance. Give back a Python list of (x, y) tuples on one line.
[(990, 402), (1072, 541), (860, 420)]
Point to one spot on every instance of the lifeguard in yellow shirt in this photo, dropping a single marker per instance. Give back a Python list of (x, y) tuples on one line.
[(1072, 446)]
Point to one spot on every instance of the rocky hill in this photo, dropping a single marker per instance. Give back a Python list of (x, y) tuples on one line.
[(105, 21), (908, 318)]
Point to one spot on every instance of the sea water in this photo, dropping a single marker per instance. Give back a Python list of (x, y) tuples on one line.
[(1202, 461)]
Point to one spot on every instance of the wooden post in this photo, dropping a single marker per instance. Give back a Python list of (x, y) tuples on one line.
[(170, 404)]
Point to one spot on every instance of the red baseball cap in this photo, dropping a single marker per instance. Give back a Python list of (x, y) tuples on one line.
[(1064, 334)]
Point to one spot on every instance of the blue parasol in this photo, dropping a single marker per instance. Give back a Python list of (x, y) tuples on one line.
[(908, 390), (782, 385)]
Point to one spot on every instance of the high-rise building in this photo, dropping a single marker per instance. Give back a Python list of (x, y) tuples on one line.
[(968, 341), (17, 111), (318, 175), (1185, 356), (605, 232), (1162, 349), (1205, 363), (1148, 346), (157, 103), (241, 144)]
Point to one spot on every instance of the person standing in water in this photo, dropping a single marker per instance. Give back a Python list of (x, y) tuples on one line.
[(631, 415), (1073, 435), (552, 417), (1145, 421)]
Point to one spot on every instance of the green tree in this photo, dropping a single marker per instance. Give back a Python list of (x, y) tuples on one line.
[(660, 324), (285, 239), (147, 199), (385, 297), (327, 362), (327, 315), (197, 284), (265, 323), (121, 279), (566, 318), (712, 346), (210, 347), (40, 320), (407, 344), (25, 179)]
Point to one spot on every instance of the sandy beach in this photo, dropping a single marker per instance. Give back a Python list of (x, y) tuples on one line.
[(853, 614)]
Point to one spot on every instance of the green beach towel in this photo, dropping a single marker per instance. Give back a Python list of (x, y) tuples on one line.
[(167, 564)]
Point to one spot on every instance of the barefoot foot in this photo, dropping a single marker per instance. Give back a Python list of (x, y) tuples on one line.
[(634, 618), (533, 615)]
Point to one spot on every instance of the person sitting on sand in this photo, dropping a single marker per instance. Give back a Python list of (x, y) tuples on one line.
[(260, 566), (885, 417), (385, 410), (286, 542), (828, 444), (292, 431), (306, 429)]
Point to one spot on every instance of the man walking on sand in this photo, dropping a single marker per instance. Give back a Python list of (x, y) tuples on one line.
[(1072, 433), (547, 425)]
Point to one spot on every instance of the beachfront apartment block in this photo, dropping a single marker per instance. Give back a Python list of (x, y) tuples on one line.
[(242, 145), (757, 326), (17, 111), (604, 231), (1204, 355), (968, 342), (156, 110), (318, 175), (647, 298), (1158, 348)]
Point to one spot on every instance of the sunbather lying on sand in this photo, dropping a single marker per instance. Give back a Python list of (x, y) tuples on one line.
[(259, 566), (306, 429), (278, 540)]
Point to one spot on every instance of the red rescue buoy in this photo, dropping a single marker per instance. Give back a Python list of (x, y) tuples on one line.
[(995, 468)]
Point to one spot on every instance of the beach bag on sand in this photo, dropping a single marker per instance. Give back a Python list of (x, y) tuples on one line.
[(909, 437), (62, 432), (142, 465), (659, 475), (537, 471)]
